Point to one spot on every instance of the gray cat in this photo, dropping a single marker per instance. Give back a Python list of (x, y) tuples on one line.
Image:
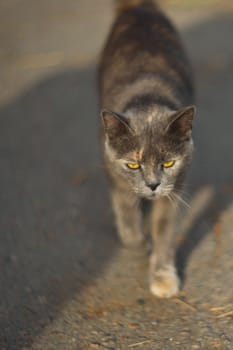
[(146, 97)]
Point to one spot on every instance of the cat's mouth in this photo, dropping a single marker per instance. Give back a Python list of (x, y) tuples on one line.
[(154, 194), (150, 196)]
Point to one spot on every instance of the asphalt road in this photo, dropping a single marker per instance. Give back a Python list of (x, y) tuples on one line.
[(65, 281)]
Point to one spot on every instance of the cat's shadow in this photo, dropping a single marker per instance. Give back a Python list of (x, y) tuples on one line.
[(209, 182), (57, 232)]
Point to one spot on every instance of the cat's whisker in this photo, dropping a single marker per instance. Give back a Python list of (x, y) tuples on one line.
[(183, 192), (169, 187), (181, 200), (172, 201)]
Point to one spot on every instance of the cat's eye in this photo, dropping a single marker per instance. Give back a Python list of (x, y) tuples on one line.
[(133, 166), (168, 164)]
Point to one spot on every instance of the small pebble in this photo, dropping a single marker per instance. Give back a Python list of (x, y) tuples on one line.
[(155, 323), (133, 325), (95, 345)]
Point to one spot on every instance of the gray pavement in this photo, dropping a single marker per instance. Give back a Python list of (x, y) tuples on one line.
[(65, 281)]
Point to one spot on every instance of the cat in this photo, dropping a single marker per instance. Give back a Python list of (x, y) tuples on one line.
[(146, 100)]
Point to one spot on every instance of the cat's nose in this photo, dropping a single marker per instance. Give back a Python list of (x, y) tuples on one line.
[(153, 185)]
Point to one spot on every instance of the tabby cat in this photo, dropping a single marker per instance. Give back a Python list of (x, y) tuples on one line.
[(146, 96)]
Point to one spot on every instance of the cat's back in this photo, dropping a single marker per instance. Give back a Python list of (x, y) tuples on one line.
[(143, 55)]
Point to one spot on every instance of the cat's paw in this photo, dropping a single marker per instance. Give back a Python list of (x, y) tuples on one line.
[(164, 283)]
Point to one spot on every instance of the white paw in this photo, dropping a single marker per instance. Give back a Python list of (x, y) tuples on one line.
[(164, 283)]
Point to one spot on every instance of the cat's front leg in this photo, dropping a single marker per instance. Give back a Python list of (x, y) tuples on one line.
[(164, 281), (128, 217)]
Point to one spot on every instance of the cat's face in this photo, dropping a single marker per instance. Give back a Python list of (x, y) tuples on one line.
[(152, 161)]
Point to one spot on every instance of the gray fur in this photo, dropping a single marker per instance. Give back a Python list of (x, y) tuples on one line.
[(145, 92)]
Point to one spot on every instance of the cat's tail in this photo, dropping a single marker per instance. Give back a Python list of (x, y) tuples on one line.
[(124, 5)]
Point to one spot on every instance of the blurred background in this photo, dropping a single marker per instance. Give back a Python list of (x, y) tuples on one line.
[(63, 281), (40, 38)]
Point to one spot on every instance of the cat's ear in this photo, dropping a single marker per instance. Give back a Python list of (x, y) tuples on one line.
[(115, 125), (180, 123)]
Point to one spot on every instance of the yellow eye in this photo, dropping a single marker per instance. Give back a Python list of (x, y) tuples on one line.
[(168, 164), (133, 166)]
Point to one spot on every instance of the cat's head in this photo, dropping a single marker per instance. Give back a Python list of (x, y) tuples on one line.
[(149, 155)]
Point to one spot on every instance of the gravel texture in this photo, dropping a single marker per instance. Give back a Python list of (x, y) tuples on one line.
[(65, 281)]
